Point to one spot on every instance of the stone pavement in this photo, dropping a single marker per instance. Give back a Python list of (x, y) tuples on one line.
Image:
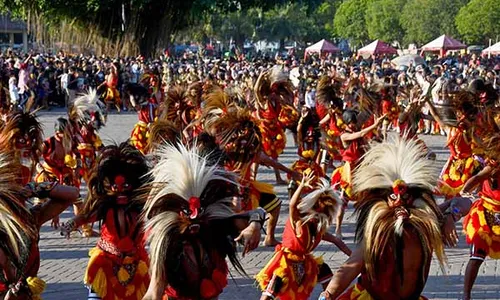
[(64, 261)]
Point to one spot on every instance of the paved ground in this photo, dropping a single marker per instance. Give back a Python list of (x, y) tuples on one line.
[(64, 261)]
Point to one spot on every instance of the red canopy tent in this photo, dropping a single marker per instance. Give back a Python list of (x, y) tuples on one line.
[(443, 44), (377, 47), (322, 47)]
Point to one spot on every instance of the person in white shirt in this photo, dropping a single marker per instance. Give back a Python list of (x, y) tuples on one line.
[(310, 98), (13, 90)]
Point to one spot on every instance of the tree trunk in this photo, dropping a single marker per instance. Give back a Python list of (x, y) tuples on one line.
[(282, 44)]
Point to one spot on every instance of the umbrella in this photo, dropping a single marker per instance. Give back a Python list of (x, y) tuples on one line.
[(408, 59)]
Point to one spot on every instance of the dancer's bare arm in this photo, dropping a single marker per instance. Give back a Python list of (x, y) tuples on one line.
[(476, 180), (345, 275), (156, 288), (263, 159), (60, 197), (295, 200), (250, 224), (338, 242), (437, 118), (346, 137)]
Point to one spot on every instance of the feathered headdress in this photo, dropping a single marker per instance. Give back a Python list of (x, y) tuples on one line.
[(393, 185), (395, 159), (326, 94), (276, 82), (17, 126), (174, 103), (329, 199), (238, 134), (87, 108), (124, 160), (188, 198), (161, 131), (15, 226)]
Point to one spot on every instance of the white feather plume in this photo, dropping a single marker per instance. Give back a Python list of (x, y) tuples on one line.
[(306, 205), (89, 103), (277, 74), (183, 172), (396, 158)]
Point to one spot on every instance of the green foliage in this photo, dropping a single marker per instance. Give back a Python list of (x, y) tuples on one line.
[(350, 22), (479, 21), (382, 20), (424, 20), (324, 16)]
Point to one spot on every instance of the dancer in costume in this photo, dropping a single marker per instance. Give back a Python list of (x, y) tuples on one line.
[(22, 133), (20, 228), (237, 133), (60, 161), (87, 116), (408, 121), (111, 82), (272, 90), (331, 123), (118, 265), (353, 141), (189, 217), (390, 108), (461, 164), (482, 224), (293, 271), (399, 225), (147, 113), (308, 136)]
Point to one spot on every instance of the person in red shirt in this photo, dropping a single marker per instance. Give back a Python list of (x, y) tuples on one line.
[(354, 144)]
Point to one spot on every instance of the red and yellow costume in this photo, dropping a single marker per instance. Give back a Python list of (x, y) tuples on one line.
[(88, 143), (112, 94), (333, 143), (351, 155), (391, 109), (293, 263), (251, 191), (305, 166), (461, 164), (272, 132), (288, 116), (147, 115), (56, 170), (482, 224), (118, 265)]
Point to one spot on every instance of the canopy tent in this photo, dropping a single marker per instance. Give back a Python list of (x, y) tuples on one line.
[(443, 44), (322, 47), (493, 49), (377, 47)]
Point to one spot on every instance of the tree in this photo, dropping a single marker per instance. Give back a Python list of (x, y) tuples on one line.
[(145, 23), (479, 21), (350, 21), (286, 22), (424, 20), (382, 20), (323, 16)]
